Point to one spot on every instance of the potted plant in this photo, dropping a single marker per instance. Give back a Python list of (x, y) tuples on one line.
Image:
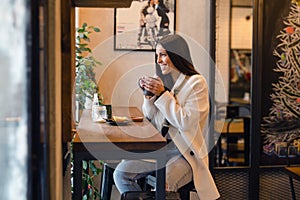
[(86, 86), (85, 80)]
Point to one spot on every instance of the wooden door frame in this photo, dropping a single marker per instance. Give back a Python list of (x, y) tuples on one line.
[(68, 56), (68, 69)]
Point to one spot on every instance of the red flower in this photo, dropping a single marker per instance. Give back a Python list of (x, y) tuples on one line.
[(289, 29), (298, 100)]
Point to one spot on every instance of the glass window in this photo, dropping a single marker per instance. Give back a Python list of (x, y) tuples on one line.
[(13, 95)]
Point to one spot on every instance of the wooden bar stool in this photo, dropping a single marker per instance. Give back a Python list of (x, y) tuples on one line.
[(107, 181), (293, 173), (134, 195), (184, 191)]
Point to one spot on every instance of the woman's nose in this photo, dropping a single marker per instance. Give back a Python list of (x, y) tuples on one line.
[(158, 59)]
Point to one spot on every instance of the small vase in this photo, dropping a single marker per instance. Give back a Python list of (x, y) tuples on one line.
[(88, 103)]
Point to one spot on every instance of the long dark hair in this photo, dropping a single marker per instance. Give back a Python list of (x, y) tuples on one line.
[(179, 53)]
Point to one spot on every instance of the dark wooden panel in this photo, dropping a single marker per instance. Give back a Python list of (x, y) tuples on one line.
[(102, 3), (68, 67)]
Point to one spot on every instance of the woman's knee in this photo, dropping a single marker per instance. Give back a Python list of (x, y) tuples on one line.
[(131, 169), (117, 175), (178, 174)]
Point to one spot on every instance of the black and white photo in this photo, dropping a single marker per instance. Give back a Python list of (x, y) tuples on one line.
[(140, 26)]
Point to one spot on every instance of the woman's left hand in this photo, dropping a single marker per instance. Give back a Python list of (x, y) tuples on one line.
[(154, 85)]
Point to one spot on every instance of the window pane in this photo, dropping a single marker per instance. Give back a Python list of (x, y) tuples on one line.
[(13, 115)]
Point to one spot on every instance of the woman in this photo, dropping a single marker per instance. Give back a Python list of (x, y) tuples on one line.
[(162, 11), (185, 110), (142, 30)]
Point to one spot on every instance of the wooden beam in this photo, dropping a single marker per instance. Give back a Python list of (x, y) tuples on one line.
[(68, 55), (68, 67), (102, 3)]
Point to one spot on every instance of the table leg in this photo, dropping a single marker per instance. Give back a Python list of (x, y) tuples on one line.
[(77, 178), (220, 152), (247, 139), (160, 180)]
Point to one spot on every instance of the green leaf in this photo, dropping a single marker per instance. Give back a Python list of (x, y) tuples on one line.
[(89, 180), (92, 166), (96, 29), (84, 25), (80, 30), (90, 192), (98, 171), (84, 165)]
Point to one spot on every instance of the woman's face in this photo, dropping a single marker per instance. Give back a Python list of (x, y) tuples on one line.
[(151, 2), (164, 60)]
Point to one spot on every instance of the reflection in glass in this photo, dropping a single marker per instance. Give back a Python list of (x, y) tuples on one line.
[(233, 59)]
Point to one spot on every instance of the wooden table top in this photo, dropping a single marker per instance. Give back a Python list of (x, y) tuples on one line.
[(102, 141), (240, 101), (293, 172), (236, 126), (130, 134)]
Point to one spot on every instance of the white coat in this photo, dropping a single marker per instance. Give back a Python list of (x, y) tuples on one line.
[(187, 114)]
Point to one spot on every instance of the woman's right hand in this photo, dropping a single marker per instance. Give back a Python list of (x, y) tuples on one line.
[(141, 83), (153, 84)]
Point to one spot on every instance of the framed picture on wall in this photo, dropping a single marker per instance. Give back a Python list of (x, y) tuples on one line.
[(240, 75), (140, 26)]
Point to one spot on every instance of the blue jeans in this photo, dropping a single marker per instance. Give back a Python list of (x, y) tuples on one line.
[(126, 174)]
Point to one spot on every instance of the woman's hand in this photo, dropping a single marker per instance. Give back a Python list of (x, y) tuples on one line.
[(153, 84), (141, 83)]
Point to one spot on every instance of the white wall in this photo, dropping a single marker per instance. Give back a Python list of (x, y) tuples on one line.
[(120, 70), (241, 38), (241, 28), (222, 50)]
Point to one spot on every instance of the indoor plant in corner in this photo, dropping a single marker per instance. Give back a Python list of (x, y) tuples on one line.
[(85, 87), (85, 80)]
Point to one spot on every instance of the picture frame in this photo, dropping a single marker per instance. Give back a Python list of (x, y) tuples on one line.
[(140, 26), (240, 74)]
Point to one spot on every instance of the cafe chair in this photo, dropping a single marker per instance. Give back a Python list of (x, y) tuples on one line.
[(107, 183), (149, 195), (184, 191), (232, 148), (138, 195), (147, 184), (293, 172), (236, 153)]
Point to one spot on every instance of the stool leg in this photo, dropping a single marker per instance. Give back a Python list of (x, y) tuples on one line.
[(184, 195), (292, 188), (106, 182)]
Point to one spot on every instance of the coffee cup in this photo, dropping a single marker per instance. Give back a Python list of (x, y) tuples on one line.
[(147, 93), (108, 111)]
